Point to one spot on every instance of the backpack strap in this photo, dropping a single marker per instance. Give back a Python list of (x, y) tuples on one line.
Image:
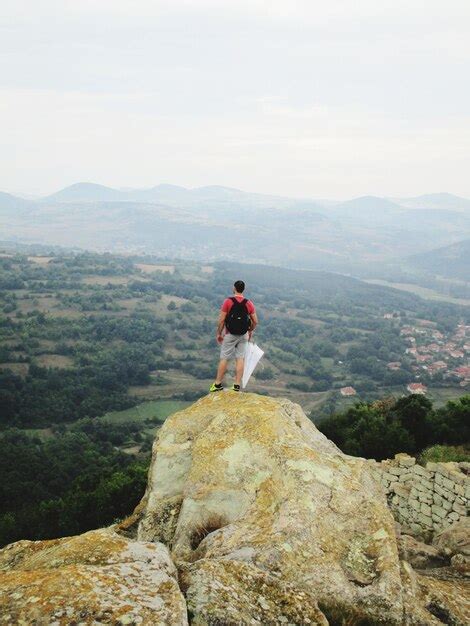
[(242, 302)]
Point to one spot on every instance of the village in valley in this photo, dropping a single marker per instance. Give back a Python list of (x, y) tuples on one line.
[(436, 355), (432, 357)]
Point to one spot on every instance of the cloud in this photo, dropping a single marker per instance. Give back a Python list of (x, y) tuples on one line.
[(305, 98), (314, 151)]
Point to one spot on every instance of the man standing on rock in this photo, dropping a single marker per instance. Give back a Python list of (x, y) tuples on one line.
[(238, 320)]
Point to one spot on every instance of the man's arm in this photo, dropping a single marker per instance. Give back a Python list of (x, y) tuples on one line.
[(221, 324), (254, 322)]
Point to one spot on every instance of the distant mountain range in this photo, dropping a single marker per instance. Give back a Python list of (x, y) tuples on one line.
[(221, 223), (182, 196), (172, 195)]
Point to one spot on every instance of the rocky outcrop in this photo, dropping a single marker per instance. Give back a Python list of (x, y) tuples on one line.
[(420, 555), (261, 513), (266, 521), (454, 542), (96, 578)]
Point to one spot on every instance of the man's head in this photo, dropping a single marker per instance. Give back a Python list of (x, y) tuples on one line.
[(239, 286)]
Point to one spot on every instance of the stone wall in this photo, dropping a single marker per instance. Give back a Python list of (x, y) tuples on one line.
[(427, 499)]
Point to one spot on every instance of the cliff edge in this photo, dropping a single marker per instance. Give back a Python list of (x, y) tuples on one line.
[(251, 516)]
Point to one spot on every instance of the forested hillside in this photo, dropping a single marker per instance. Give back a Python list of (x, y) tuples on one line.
[(84, 334)]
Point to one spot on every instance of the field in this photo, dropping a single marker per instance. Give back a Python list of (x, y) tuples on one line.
[(423, 292), (441, 395), (150, 268), (155, 411)]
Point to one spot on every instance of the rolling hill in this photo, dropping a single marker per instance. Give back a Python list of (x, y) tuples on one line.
[(366, 204), (11, 204), (446, 201), (450, 261), (85, 192)]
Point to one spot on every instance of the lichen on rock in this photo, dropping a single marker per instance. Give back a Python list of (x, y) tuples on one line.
[(292, 512), (95, 578)]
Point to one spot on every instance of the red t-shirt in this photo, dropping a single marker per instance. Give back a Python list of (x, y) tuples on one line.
[(227, 305)]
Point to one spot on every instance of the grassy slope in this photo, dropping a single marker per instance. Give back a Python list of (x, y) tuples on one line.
[(155, 410)]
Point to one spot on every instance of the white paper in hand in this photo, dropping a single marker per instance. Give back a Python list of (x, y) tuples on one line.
[(252, 356)]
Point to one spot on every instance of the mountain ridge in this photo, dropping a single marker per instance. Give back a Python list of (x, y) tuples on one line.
[(436, 201), (87, 191), (10, 202)]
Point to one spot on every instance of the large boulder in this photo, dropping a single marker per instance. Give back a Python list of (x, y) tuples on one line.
[(267, 520), (433, 600), (96, 578), (420, 555), (454, 542), (455, 539)]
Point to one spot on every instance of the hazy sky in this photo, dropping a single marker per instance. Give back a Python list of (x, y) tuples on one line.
[(330, 98)]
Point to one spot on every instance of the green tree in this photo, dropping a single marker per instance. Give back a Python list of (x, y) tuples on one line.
[(414, 412)]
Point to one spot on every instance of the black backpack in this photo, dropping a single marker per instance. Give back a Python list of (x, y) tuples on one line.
[(238, 320)]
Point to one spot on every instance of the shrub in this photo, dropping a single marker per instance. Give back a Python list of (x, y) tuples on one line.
[(444, 454)]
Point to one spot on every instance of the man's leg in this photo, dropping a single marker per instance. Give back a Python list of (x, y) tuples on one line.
[(221, 371), (239, 366), (240, 359)]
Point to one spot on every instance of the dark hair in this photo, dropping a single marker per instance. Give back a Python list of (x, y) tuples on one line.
[(239, 286)]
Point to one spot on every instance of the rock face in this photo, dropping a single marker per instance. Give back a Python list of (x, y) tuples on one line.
[(267, 519), (267, 522), (96, 578), (455, 542)]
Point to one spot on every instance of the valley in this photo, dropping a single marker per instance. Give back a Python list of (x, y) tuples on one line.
[(150, 324)]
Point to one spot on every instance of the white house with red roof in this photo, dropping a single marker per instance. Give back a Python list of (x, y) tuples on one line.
[(417, 388), (406, 330), (463, 372), (423, 358), (438, 366)]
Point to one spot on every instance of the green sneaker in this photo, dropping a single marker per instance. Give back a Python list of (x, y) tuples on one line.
[(236, 388), (216, 387)]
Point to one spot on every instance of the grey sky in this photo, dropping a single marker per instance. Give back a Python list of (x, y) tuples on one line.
[(306, 98)]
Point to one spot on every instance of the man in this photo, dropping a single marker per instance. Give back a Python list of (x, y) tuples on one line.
[(238, 319)]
